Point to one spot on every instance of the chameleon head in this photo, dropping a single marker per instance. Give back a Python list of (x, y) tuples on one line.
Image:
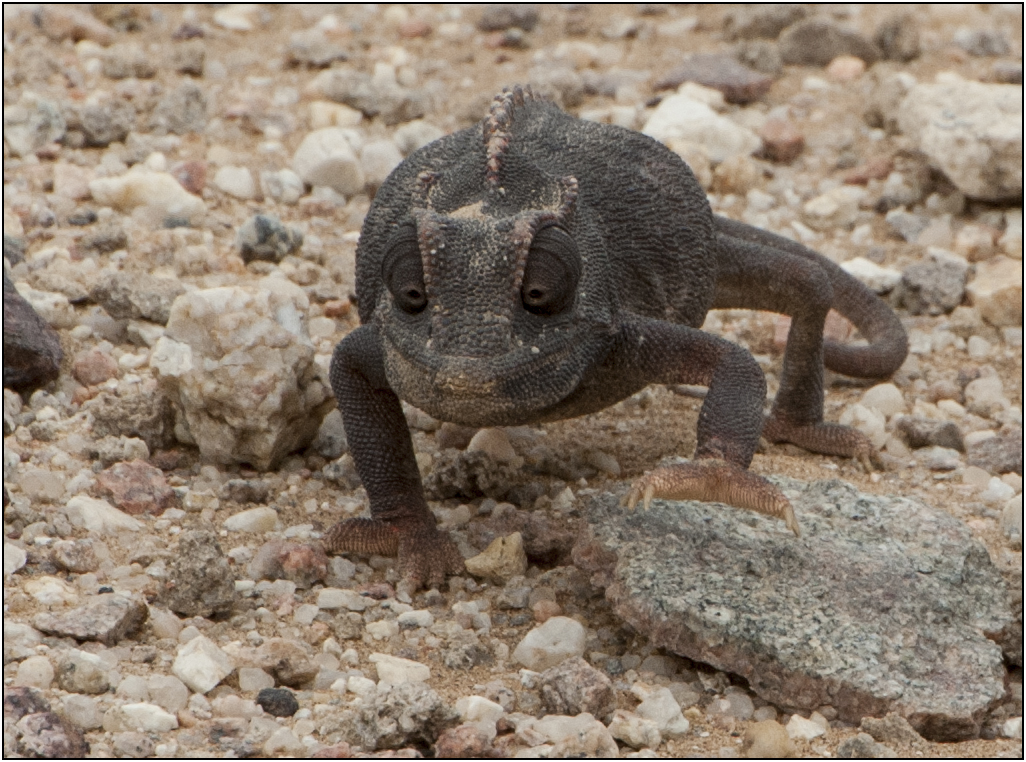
[(480, 312)]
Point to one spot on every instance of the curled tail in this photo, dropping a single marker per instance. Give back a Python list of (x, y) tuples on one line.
[(876, 321)]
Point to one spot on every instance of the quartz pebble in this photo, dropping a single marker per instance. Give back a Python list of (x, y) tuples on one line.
[(547, 645), (201, 665), (396, 671), (659, 706), (326, 158)]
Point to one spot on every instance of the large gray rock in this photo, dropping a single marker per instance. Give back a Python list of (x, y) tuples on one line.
[(884, 605), (971, 131), (107, 619)]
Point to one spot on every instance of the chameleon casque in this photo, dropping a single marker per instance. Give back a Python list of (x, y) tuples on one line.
[(538, 267)]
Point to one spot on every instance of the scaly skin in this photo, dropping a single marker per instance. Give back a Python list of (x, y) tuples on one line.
[(539, 267)]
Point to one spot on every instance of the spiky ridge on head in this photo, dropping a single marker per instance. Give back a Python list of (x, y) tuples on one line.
[(496, 128)]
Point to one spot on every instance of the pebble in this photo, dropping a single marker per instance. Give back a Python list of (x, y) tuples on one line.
[(51, 591), (284, 186), (549, 644), (921, 432), (81, 711), (722, 72), (140, 187), (870, 422), (199, 580), (862, 746), (201, 665), (378, 158), (261, 519), (147, 718), (1012, 728), (750, 22), (817, 42), (32, 123), (333, 598), (416, 134), (881, 280), (45, 735), (501, 561), (237, 18), (782, 140), (996, 291), (481, 712), (939, 458), (136, 487), (66, 23), (93, 367), (34, 672), (659, 706), (985, 396), (936, 285), (168, 692), (799, 728), (41, 485), (397, 671), (81, 672), (236, 181), (14, 558), (327, 114), (325, 158), (679, 117), (574, 686), (845, 68), (981, 42), (182, 110), (837, 208), (107, 618), (1011, 518), (499, 17), (254, 679), (885, 399), (283, 741), (571, 737), (265, 237), (634, 731), (279, 702)]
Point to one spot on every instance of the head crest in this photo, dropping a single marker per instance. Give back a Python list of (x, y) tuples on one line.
[(497, 128)]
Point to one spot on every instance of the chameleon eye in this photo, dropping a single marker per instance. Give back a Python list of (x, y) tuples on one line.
[(552, 271), (403, 272)]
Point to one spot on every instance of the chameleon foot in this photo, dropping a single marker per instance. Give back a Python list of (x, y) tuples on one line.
[(824, 438), (714, 481), (426, 555)]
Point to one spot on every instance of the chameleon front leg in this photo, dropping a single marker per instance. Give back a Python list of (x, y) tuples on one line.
[(728, 424), (380, 443)]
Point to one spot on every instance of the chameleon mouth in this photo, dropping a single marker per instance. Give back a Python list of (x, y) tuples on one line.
[(502, 390)]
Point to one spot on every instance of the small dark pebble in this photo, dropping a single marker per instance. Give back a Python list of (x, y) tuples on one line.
[(175, 222), (264, 237), (496, 18), (14, 249), (105, 589), (187, 32), (281, 702), (87, 217)]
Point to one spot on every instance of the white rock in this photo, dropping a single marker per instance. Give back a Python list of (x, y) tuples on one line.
[(201, 665), (418, 618), (361, 686), (494, 443), (35, 672), (378, 158), (334, 598), (50, 591), (284, 185), (254, 680), (261, 519), (168, 691), (133, 688), (679, 117), (236, 181), (572, 737), (549, 644), (880, 279), (304, 615), (799, 728), (31, 123), (20, 641), (870, 422), (383, 629), (481, 712), (996, 291), (985, 396), (98, 516), (837, 208), (1012, 728), (325, 157), (971, 131), (635, 731), (247, 390), (140, 186), (81, 711), (148, 718), (395, 670), (54, 308), (884, 398), (14, 558), (997, 491), (283, 741), (659, 706), (979, 348), (416, 134)]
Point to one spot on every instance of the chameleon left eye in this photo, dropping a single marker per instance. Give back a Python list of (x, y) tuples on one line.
[(552, 271), (403, 273)]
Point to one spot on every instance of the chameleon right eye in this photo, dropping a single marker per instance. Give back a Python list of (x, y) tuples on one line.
[(403, 273), (551, 274)]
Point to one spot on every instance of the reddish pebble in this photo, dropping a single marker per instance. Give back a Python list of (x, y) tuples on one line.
[(876, 168), (303, 564), (337, 308), (93, 367), (545, 610), (191, 175), (136, 487), (781, 139), (83, 394), (49, 151), (414, 28), (845, 68), (466, 741), (379, 591), (340, 750)]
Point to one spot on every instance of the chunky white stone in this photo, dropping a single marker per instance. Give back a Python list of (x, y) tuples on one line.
[(680, 117), (201, 665), (335, 598), (241, 372), (148, 718), (50, 591), (549, 644), (142, 187), (879, 279), (261, 519), (659, 706), (236, 181), (799, 728), (14, 558), (98, 516), (396, 670), (35, 672), (325, 157), (996, 291), (885, 399)]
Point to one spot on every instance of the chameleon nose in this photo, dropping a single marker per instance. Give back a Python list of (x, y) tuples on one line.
[(464, 376), (478, 337)]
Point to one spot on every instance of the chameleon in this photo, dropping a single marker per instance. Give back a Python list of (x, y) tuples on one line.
[(538, 267)]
